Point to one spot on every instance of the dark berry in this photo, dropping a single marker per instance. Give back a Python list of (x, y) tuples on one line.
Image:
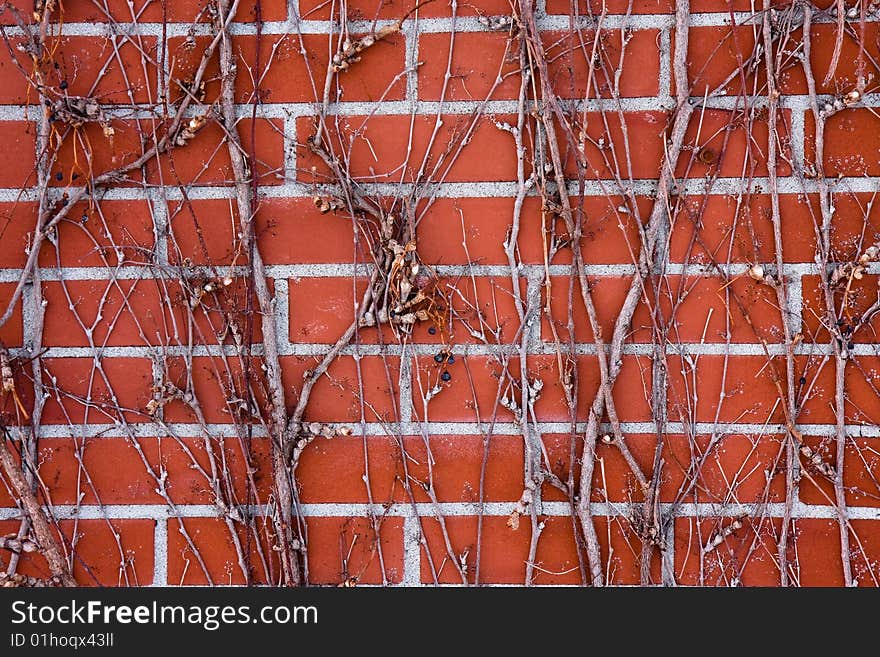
[(451, 359), (446, 376), (59, 176), (439, 357), (803, 380), (63, 85), (431, 330), (84, 218)]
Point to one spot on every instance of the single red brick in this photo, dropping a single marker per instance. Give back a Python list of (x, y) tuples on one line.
[(866, 552), (180, 11), (644, 135), (388, 9), (732, 468), (332, 470), (851, 300), (482, 310), (484, 65), (286, 75), (746, 557), (749, 392), (719, 59), (851, 143), (383, 150), (114, 469), (610, 233), (12, 332), (17, 222), (110, 70), (203, 551), (861, 390), (473, 231), (292, 230), (504, 551), (323, 309), (860, 469), (90, 151), (342, 549), (337, 395), (79, 395), (17, 153), (455, 464), (473, 393), (632, 390), (205, 232), (607, 294), (117, 312), (217, 387), (205, 158), (107, 552), (718, 228), (102, 234), (815, 553), (577, 73), (598, 7), (729, 143)]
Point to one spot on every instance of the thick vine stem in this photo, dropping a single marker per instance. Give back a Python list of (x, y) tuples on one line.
[(290, 547)]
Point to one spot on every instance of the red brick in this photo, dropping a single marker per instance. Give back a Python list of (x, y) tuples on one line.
[(851, 301), (343, 548), (387, 9), (456, 463), (747, 557), (292, 77), (645, 152), (292, 230), (323, 309), (504, 551), (332, 470), (17, 222), (610, 233), (89, 152), (471, 394), (208, 541), (80, 394), (183, 11), (476, 310), (749, 392), (473, 231), (598, 7), (112, 471), (99, 560), (568, 56), (731, 144), (851, 143), (205, 232), (380, 150), (205, 159), (12, 332), (17, 154), (218, 386), (479, 59), (103, 234), (632, 391), (336, 396), (719, 228)]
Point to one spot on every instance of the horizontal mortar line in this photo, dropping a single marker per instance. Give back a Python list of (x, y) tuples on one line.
[(160, 512), (732, 349), (424, 25), (295, 109), (391, 429), (345, 270), (477, 189)]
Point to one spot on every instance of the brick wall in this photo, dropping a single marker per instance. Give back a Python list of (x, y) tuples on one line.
[(747, 395)]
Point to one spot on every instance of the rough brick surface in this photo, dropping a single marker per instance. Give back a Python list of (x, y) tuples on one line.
[(452, 453)]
